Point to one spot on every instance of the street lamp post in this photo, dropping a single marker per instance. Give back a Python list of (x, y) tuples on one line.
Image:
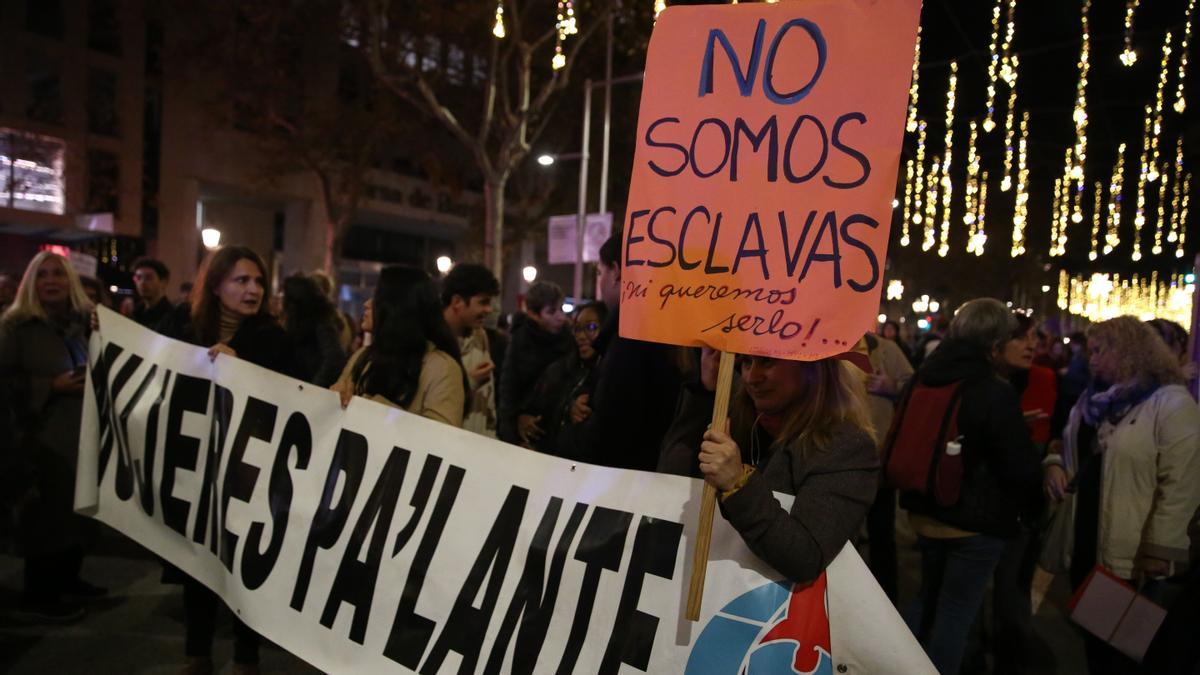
[(583, 156), (581, 212)]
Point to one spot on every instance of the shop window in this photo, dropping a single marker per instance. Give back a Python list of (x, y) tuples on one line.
[(31, 172), (43, 87), (102, 111), (104, 180)]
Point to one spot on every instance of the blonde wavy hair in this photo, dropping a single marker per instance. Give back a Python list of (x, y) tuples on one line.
[(1140, 353), (28, 306), (835, 392)]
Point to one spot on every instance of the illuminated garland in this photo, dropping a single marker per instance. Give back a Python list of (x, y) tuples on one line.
[(971, 210), (1021, 207), (908, 195), (932, 184), (1010, 129), (566, 26), (913, 90), (1097, 214), (993, 68), (919, 188), (1180, 103), (1176, 224), (1152, 174), (980, 236), (1008, 68), (947, 185), (1183, 213), (1113, 238), (1129, 56), (1161, 222), (1139, 218), (1055, 210), (1100, 297), (659, 6), (498, 28), (1061, 210), (1080, 116)]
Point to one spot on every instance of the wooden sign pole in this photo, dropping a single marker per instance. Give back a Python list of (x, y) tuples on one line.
[(708, 504)]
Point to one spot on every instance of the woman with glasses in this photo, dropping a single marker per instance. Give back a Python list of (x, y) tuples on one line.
[(552, 407)]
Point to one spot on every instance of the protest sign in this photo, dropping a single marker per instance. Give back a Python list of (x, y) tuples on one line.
[(372, 540), (768, 142)]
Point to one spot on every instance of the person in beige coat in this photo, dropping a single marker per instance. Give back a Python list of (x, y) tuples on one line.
[(1131, 462), (413, 361)]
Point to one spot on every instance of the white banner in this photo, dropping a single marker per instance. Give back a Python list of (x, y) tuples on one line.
[(369, 539)]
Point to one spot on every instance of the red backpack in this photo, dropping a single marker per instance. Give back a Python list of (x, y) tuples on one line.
[(923, 453)]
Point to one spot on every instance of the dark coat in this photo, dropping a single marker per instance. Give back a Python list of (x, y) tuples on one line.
[(1002, 474), (557, 388), (834, 486), (45, 431), (259, 339), (155, 317), (530, 352), (319, 355), (633, 403)]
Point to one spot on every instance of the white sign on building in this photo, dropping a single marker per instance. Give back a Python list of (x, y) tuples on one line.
[(562, 239)]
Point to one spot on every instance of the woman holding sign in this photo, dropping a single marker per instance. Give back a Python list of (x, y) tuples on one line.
[(226, 313), (798, 427)]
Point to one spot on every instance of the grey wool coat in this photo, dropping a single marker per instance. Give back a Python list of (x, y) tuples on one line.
[(834, 486)]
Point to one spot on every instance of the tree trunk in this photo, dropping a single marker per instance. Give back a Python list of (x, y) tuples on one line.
[(333, 246), (493, 234)]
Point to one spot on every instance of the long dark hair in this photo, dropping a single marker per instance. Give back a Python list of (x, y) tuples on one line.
[(206, 307), (407, 315), (305, 307)]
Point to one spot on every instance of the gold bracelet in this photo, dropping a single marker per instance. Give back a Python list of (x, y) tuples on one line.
[(739, 484)]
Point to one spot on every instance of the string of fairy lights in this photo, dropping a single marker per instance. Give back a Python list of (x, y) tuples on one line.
[(1099, 296), (1161, 185), (929, 192)]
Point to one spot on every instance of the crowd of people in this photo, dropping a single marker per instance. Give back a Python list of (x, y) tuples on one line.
[(1011, 453)]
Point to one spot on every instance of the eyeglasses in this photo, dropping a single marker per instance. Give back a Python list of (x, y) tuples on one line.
[(589, 327)]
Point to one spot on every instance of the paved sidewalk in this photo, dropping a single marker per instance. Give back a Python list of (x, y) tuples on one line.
[(138, 629)]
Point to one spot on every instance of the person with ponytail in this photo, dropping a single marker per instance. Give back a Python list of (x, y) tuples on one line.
[(413, 360)]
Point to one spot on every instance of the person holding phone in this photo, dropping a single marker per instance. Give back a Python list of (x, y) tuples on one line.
[(43, 361)]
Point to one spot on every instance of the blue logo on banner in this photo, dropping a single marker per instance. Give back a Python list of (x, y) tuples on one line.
[(774, 628)]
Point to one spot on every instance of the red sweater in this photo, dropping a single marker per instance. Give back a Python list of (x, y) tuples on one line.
[(1040, 394)]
